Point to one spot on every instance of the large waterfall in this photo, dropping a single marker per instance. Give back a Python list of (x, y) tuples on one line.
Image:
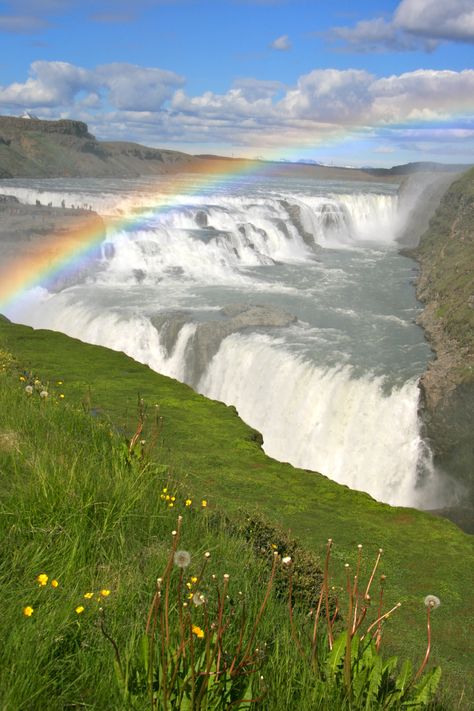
[(288, 300)]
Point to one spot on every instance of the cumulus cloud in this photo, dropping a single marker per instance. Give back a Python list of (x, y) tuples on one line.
[(124, 86), (282, 44), (441, 20), (140, 103), (415, 24)]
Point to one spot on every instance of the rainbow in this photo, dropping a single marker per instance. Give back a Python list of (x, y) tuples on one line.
[(61, 252)]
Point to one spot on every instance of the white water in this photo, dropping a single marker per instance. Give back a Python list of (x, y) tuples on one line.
[(336, 392)]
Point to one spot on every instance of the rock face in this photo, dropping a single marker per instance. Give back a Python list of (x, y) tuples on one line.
[(446, 286), (208, 336)]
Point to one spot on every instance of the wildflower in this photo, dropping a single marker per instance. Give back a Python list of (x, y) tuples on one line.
[(54, 583), (170, 505), (60, 382), (165, 490), (23, 379), (61, 395), (190, 596), (432, 602), (204, 503), (28, 611), (42, 579), (286, 560), (207, 554), (162, 497), (194, 579), (189, 586), (29, 390), (44, 394), (80, 609), (105, 592), (199, 599), (197, 631), (173, 498), (182, 559), (188, 502), (88, 595), (167, 497)]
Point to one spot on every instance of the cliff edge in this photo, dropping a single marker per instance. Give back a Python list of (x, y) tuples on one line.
[(446, 286), (33, 148)]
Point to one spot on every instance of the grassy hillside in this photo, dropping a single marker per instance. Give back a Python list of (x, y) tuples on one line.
[(213, 455), (446, 286)]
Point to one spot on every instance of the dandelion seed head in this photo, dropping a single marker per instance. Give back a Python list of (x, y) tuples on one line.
[(182, 559), (207, 554), (199, 599), (286, 560), (44, 394), (432, 602), (29, 390)]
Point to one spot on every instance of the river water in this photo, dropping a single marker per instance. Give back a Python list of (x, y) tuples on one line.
[(335, 388)]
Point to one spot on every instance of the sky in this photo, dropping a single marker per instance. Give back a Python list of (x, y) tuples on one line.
[(352, 82)]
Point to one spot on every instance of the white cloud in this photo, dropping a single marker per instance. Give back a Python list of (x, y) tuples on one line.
[(415, 24), (282, 44), (131, 87), (440, 20), (124, 86), (150, 105)]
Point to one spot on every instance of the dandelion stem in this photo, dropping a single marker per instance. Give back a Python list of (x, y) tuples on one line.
[(428, 647)]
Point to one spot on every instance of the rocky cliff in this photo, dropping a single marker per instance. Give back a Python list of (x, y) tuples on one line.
[(32, 148), (446, 286)]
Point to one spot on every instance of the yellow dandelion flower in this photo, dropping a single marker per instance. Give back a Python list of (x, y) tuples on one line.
[(88, 595), (170, 505), (197, 631), (162, 497), (54, 583), (28, 611), (61, 395), (188, 502), (190, 596), (60, 382), (80, 609), (105, 593), (23, 379), (42, 579), (165, 490), (204, 503), (189, 586), (167, 497), (173, 498), (194, 579)]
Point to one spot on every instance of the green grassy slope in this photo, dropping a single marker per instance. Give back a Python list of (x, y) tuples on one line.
[(446, 251), (218, 457)]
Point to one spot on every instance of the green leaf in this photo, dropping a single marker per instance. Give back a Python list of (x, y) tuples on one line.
[(335, 657), (426, 688), (375, 679), (145, 651)]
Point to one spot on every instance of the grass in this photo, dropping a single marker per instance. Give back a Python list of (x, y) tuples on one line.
[(71, 508)]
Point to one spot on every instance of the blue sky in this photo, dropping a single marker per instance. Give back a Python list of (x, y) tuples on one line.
[(352, 83)]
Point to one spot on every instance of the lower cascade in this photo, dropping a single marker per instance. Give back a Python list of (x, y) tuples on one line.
[(290, 303)]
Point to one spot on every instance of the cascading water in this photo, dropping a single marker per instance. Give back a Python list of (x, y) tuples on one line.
[(326, 367)]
